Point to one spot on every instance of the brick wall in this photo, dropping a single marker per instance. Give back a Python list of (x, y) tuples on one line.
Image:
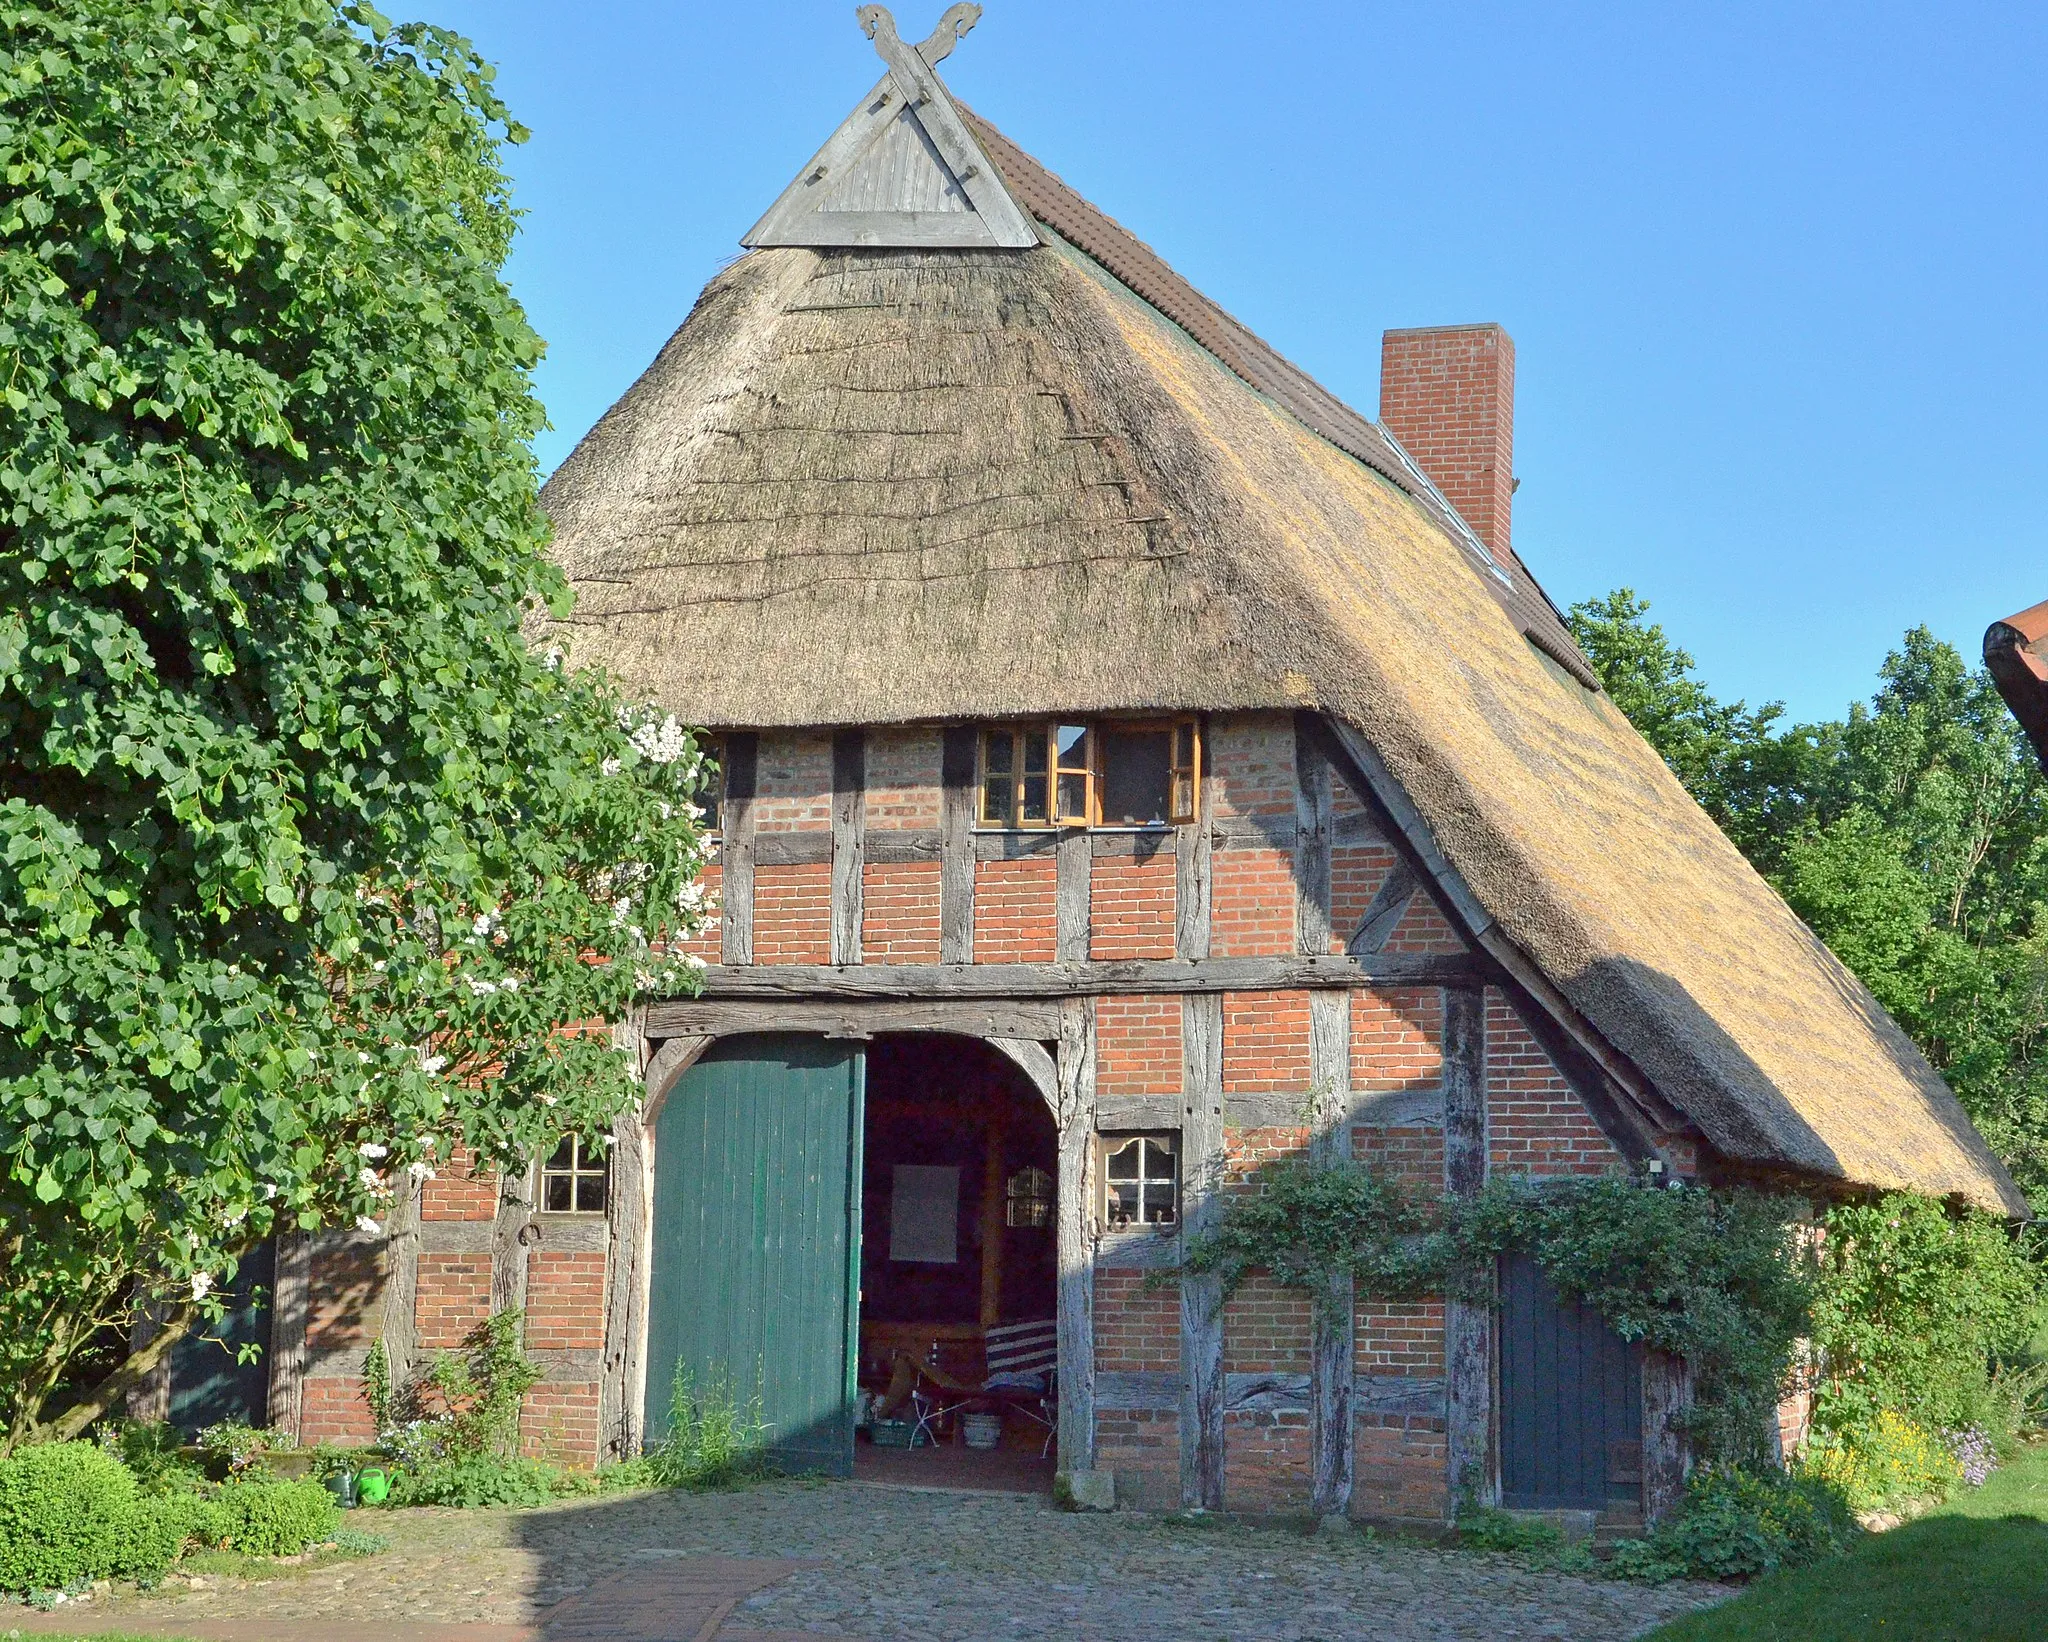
[(1400, 1466), (1399, 1337), (1138, 1046), (1356, 873), (460, 1191), (1131, 905), (558, 1422), (1251, 767), (793, 913), (1137, 1329), (1014, 916), (1265, 1043), (1266, 1460), (1424, 928), (344, 1289), (454, 1295), (1397, 1039), (335, 1410), (900, 912), (793, 782), (1265, 1329), (1534, 1123), (1142, 1447), (565, 1299), (903, 778), (709, 941)]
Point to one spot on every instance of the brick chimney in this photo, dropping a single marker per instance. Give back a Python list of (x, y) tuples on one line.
[(1447, 392)]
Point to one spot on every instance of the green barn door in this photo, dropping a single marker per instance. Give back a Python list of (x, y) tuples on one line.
[(756, 1241)]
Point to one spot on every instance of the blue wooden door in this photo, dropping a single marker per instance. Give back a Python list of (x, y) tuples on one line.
[(209, 1380), (756, 1240), (1571, 1399)]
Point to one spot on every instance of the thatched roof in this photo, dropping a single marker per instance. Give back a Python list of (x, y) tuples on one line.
[(2016, 652), (893, 485)]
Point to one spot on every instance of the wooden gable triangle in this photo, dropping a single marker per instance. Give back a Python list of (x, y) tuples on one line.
[(902, 169)]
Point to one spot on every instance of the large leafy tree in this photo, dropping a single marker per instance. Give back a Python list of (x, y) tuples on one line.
[(309, 866), (1912, 834)]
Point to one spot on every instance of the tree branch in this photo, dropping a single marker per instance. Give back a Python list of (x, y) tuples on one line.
[(124, 1379)]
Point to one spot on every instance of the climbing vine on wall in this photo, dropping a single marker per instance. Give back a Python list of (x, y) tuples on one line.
[(1719, 1278)]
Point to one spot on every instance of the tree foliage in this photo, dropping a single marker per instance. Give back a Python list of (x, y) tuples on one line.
[(1911, 834), (306, 860)]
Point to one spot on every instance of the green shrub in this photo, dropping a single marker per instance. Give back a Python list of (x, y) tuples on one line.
[(1881, 1461), (713, 1439), (153, 1451), (478, 1482), (1737, 1523), (65, 1513), (274, 1518), (1488, 1530), (159, 1531)]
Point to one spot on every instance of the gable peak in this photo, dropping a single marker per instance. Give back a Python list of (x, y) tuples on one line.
[(903, 169)]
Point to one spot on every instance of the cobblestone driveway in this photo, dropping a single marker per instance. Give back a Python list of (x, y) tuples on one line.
[(890, 1563)]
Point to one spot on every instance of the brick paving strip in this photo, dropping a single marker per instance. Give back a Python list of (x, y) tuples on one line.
[(660, 1598)]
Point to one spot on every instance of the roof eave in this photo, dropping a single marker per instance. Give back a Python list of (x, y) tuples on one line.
[(2016, 655)]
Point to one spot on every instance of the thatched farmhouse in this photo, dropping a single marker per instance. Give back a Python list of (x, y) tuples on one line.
[(2016, 652), (1137, 764)]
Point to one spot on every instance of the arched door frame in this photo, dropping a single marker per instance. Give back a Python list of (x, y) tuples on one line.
[(1064, 1076)]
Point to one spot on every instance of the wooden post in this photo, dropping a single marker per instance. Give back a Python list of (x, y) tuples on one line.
[(1076, 1244), (1201, 1298), (1667, 1393), (1074, 863), (402, 1282), (1193, 849), (1468, 1324), (992, 1220), (1311, 838), (736, 846), (849, 841), (290, 1308), (1332, 1327), (149, 1399), (509, 1237), (958, 802)]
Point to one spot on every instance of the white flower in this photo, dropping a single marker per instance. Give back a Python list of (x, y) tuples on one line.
[(611, 766), (420, 1170), (545, 1100), (622, 909), (378, 966), (661, 743), (510, 983), (363, 1056), (370, 1148), (552, 659), (365, 1224), (269, 1192), (692, 960), (430, 1064), (202, 1285), (486, 922), (482, 989), (370, 1180)]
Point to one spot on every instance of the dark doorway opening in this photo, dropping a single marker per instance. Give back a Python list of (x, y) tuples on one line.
[(959, 1269)]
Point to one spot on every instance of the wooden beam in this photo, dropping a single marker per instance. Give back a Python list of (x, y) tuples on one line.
[(736, 846), (1389, 902), (149, 1398), (1194, 854), (958, 801), (1311, 839), (1031, 1058), (1332, 1345), (856, 1018), (1201, 1297), (510, 1239), (1075, 1245), (1667, 1394), (290, 1308), (849, 837), (992, 1218), (402, 1282), (1072, 868), (1468, 1324), (1065, 980)]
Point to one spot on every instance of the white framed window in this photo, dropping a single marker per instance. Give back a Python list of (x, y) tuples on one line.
[(576, 1179), (1140, 1181), (1117, 773)]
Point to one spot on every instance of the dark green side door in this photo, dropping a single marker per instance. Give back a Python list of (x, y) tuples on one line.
[(756, 1245), (209, 1381), (1571, 1429)]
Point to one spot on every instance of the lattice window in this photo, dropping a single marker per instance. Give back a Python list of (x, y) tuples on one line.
[(1137, 773), (576, 1179), (1140, 1180)]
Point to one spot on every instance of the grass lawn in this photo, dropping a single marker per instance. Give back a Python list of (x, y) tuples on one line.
[(1974, 1571)]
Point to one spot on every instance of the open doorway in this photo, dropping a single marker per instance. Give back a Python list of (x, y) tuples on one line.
[(958, 1269)]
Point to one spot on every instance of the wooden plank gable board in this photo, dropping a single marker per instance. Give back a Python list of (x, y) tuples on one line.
[(902, 169)]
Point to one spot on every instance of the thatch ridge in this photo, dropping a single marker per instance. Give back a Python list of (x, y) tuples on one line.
[(874, 487)]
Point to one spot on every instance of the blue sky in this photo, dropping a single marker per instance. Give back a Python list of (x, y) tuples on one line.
[(1777, 274)]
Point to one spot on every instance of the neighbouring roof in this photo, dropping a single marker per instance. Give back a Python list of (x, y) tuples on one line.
[(2016, 652), (891, 485)]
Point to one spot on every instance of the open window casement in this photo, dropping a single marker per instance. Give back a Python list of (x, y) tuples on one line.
[(1123, 773)]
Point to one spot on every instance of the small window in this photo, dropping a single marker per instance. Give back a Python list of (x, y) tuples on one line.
[(710, 794), (573, 1181), (1140, 1181), (1142, 774), (1030, 1197)]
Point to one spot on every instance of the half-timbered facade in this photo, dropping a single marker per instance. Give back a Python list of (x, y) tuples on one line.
[(1136, 765)]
